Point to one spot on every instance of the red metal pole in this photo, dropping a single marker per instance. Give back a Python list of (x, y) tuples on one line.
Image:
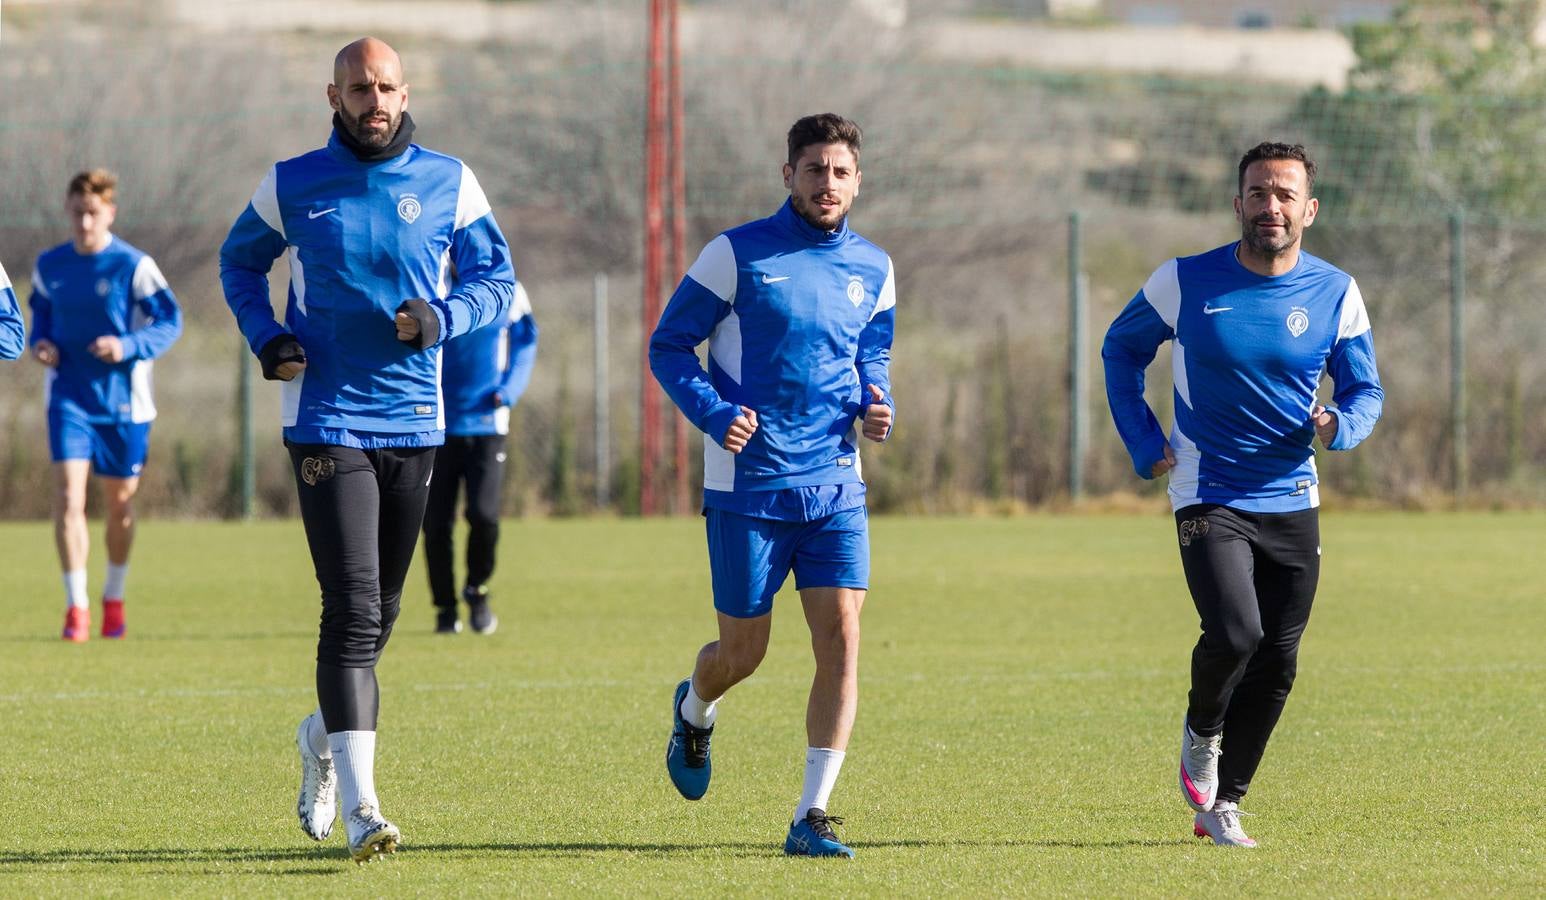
[(649, 401), (678, 228)]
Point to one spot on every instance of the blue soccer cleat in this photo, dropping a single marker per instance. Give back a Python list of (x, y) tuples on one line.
[(813, 836), (687, 753)]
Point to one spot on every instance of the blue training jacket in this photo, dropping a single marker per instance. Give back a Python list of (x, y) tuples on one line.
[(78, 298), (362, 237), (1247, 358), (799, 323), (12, 333), (485, 372)]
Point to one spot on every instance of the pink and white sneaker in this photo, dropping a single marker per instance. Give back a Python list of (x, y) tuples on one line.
[(1222, 824), (1199, 768), (77, 624)]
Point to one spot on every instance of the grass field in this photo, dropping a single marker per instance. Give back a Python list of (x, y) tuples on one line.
[(1021, 685)]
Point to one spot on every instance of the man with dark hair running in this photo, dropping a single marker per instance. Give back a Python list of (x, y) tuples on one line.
[(484, 374), (1254, 324), (798, 311), (373, 225)]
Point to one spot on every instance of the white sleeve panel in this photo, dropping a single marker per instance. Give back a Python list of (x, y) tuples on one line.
[(471, 203), (1163, 291), (39, 286), (520, 307), (265, 201), (148, 280), (5, 280), (1355, 318), (715, 269), (887, 291)]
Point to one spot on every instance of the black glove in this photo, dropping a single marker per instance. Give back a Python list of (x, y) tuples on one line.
[(278, 351), (429, 324)]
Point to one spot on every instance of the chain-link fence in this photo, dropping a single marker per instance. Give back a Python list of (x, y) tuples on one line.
[(971, 173)]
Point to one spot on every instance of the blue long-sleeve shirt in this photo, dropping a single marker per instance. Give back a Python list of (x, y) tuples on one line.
[(799, 323), (485, 372), (1247, 358), (12, 333), (77, 298), (362, 237)]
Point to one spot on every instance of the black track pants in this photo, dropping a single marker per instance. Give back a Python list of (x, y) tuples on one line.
[(362, 510), (1252, 578), (479, 462)]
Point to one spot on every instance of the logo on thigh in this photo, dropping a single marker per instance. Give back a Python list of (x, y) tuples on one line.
[(1193, 529), (315, 469)]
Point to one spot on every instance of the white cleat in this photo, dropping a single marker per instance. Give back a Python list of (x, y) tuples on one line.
[(370, 835), (1199, 768), (1222, 823), (317, 805)]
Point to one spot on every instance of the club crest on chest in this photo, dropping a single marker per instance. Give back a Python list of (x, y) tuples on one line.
[(1298, 321), (408, 208)]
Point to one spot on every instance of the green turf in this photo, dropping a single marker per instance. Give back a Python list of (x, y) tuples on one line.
[(1022, 682)]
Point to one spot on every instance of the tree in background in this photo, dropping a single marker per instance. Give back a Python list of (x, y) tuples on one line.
[(1445, 114)]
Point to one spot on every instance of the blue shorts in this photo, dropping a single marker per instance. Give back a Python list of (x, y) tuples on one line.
[(115, 451), (749, 558)]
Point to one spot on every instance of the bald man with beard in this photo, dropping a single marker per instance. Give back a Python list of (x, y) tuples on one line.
[(393, 250)]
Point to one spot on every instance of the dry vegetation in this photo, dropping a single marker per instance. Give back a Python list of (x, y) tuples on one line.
[(970, 174)]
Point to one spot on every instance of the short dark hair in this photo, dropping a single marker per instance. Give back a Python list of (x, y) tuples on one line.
[(823, 128), (97, 182), (1271, 150)]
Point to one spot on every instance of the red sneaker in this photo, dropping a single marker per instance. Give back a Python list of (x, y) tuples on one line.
[(112, 618), (77, 624)]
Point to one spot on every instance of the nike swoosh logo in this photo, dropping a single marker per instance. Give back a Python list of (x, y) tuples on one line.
[(314, 215), (1210, 310), (771, 279), (1199, 797)]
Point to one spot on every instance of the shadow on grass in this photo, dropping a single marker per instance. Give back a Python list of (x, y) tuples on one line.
[(16, 861), (333, 859), (140, 638)]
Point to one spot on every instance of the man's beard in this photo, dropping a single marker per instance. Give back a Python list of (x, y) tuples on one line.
[(812, 217), (1269, 246), (367, 136)]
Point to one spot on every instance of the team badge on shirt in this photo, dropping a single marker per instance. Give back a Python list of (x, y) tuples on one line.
[(855, 290), (1298, 321), (103, 287), (408, 208)]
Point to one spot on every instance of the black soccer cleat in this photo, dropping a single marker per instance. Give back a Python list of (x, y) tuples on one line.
[(479, 616)]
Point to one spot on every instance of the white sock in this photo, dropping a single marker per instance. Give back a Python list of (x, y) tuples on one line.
[(354, 758), (821, 768), (75, 589), (698, 712), (112, 588), (316, 736)]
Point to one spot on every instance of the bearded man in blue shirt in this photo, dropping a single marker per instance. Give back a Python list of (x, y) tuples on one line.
[(393, 250), (1253, 326), (798, 312)]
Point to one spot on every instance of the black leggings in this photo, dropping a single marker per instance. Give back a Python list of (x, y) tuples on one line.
[(1252, 578), (362, 510), (480, 462)]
